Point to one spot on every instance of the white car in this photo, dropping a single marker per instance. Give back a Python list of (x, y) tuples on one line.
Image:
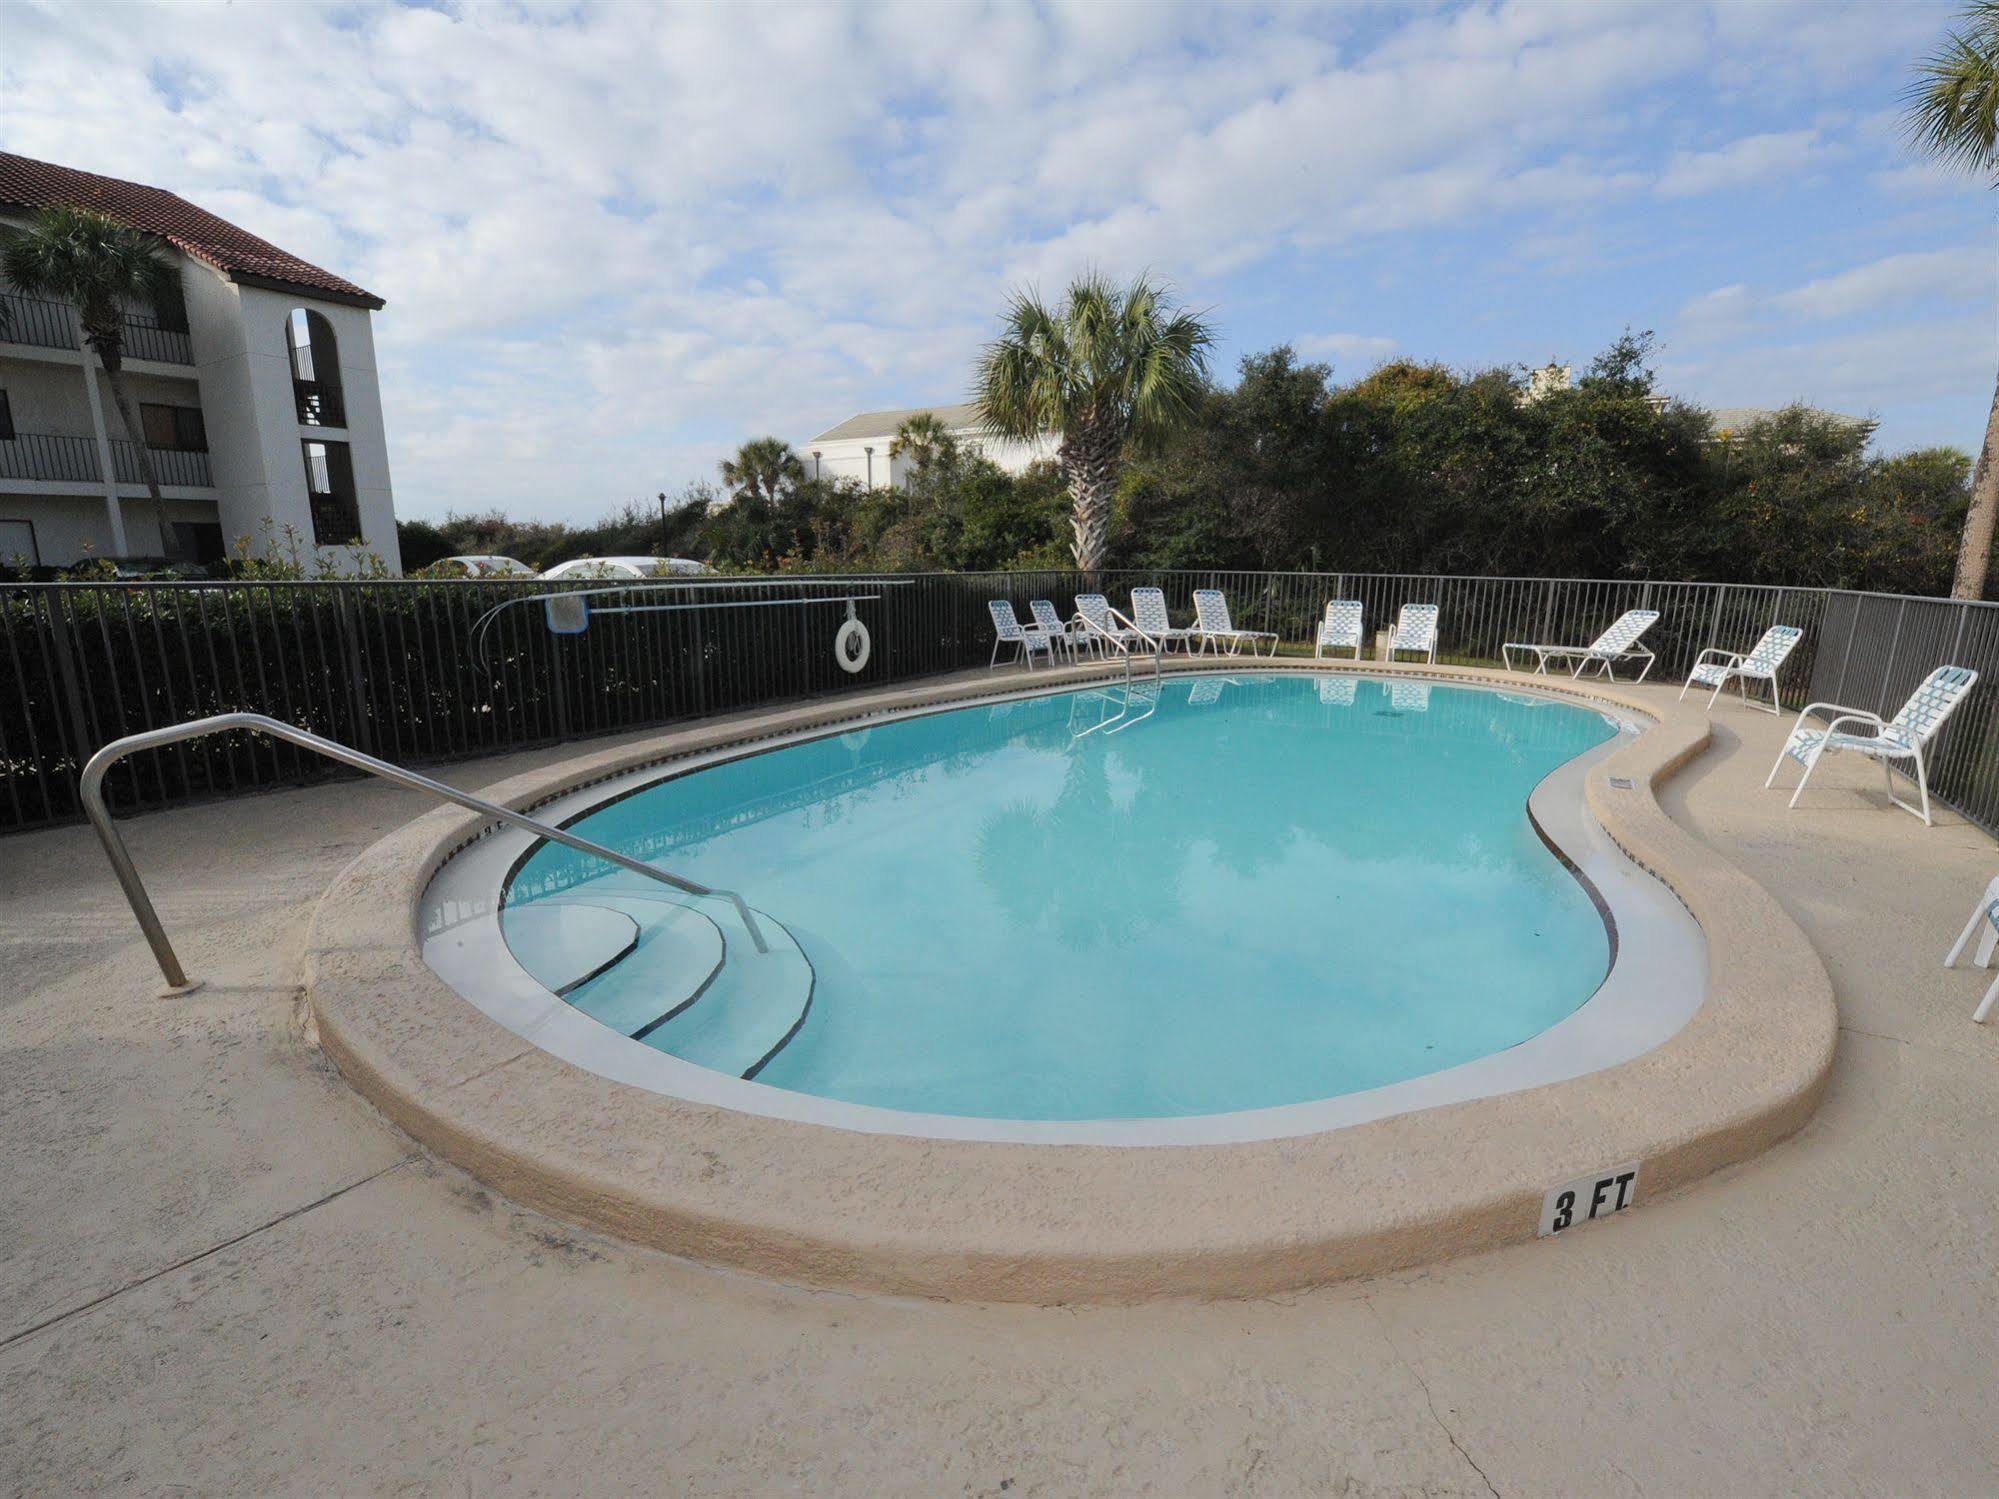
[(620, 569), (479, 567)]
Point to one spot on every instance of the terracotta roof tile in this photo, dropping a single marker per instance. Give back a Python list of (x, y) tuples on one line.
[(235, 252)]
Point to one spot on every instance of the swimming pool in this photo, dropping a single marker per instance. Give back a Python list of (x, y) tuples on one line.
[(1227, 893)]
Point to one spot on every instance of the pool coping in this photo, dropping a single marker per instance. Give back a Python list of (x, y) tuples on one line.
[(1027, 1222)]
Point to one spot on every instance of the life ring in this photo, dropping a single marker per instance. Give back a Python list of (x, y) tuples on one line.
[(851, 647)]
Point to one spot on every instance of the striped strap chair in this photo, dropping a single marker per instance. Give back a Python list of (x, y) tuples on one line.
[(1148, 612), (1900, 743), (1415, 630), (1613, 645), (1760, 665), (1008, 630), (1213, 626), (1340, 630)]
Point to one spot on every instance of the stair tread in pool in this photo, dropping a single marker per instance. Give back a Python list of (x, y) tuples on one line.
[(565, 944), (680, 950), (755, 1005)]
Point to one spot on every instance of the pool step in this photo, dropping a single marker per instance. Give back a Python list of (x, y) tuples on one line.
[(676, 950), (754, 1006), (565, 944)]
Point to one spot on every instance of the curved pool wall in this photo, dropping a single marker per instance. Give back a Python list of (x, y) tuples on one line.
[(907, 1212), (1482, 895)]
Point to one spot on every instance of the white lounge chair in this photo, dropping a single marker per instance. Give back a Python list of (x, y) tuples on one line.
[(1760, 665), (1050, 624), (1148, 612), (1415, 630), (1984, 921), (1905, 737), (1341, 629), (1213, 627), (1616, 644), (1008, 630), (1101, 630)]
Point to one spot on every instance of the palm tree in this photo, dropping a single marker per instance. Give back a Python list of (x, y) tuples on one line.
[(101, 267), (1112, 367), (1952, 114), (762, 469), (927, 441)]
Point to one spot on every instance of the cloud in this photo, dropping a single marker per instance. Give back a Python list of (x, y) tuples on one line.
[(1962, 274), (1347, 351), (617, 239), (1741, 163)]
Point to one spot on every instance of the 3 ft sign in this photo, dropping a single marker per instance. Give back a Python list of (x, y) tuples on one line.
[(1591, 1197)]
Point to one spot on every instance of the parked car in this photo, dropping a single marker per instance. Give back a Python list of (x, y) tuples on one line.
[(626, 569), (477, 567)]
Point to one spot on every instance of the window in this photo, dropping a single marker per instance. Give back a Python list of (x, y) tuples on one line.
[(329, 483), (17, 544), (171, 307), (6, 419), (179, 429)]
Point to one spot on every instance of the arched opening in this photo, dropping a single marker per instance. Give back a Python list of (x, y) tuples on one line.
[(315, 369)]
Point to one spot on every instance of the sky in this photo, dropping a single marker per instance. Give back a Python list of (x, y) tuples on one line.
[(616, 240)]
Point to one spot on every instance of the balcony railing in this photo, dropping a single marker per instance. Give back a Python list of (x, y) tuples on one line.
[(319, 403), (73, 460), (171, 466), (47, 324)]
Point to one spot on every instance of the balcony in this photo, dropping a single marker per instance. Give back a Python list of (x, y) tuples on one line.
[(47, 324), (73, 460), (319, 403)]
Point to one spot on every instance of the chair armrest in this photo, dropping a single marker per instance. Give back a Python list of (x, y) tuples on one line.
[(1838, 710), (1872, 720), (1735, 656)]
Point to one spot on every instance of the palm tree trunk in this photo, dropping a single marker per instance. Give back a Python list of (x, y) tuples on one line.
[(1091, 460), (128, 417), (1974, 552)]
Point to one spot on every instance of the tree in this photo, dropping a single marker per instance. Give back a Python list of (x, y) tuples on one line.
[(101, 267), (762, 470), (1110, 368), (1952, 114), (928, 442)]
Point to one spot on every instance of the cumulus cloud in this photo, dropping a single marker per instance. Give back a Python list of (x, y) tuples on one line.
[(616, 239), (1347, 351), (1741, 163)]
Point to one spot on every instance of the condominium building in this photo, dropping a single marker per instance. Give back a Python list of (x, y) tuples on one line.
[(254, 383)]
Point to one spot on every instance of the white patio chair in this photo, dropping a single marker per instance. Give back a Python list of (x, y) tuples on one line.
[(1905, 737), (1341, 629), (1984, 921), (1613, 645), (1148, 612), (1101, 629), (1760, 665), (1008, 630), (1415, 630), (1050, 624), (1212, 625)]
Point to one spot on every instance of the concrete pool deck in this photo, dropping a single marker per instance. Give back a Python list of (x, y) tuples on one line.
[(220, 1270)]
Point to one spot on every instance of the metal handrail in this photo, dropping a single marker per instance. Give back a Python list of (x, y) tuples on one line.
[(1130, 627), (92, 795)]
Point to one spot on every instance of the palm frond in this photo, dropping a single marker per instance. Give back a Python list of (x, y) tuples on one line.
[(1951, 108)]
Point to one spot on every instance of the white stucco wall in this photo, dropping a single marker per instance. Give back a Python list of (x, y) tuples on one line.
[(846, 458)]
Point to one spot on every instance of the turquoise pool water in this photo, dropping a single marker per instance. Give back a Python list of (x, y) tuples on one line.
[(1266, 889)]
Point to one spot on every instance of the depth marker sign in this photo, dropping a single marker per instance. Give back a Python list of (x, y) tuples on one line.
[(1589, 1197)]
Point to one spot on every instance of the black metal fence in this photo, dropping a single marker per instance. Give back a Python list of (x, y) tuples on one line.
[(388, 667)]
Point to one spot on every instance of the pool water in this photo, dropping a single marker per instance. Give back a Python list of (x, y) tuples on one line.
[(1233, 893)]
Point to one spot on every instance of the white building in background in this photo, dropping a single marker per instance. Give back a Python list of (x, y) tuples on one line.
[(256, 388), (858, 448)]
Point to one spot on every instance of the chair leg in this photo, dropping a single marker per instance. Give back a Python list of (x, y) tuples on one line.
[(1685, 687), (1720, 683), (1810, 766), (1977, 919), (1984, 1011)]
